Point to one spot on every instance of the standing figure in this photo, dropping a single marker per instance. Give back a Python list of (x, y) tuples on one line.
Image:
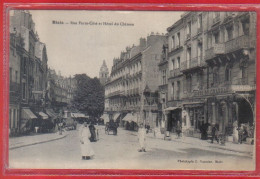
[(214, 133), (178, 129), (86, 148), (92, 129), (235, 132), (141, 138)]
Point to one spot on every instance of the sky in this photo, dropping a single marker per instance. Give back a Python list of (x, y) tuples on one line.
[(81, 46)]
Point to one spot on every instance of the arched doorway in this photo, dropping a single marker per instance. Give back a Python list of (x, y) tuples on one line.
[(245, 113)]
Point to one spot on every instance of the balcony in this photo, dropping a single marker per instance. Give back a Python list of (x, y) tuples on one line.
[(196, 62), (243, 81), (175, 72), (212, 52), (230, 46), (237, 44), (148, 107)]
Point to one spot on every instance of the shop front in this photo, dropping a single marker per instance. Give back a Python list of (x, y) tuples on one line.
[(173, 116), (193, 118)]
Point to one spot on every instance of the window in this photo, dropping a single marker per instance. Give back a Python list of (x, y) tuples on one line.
[(215, 76), (189, 83), (24, 92), (173, 42), (172, 91), (230, 33), (245, 26), (216, 37), (10, 74), (173, 66), (199, 52), (200, 22), (189, 56), (189, 28), (178, 62), (16, 76), (164, 77), (228, 73), (178, 90), (179, 39)]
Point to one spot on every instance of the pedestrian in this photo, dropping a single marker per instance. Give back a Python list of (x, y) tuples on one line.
[(86, 148), (214, 133), (141, 138), (243, 134), (235, 132), (92, 130), (178, 129)]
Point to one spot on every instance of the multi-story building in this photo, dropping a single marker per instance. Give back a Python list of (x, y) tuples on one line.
[(217, 72), (21, 22), (14, 79), (60, 90), (132, 90), (176, 48)]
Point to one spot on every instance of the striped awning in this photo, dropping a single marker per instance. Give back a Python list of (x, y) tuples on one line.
[(116, 116), (43, 115), (27, 114), (105, 117), (130, 117)]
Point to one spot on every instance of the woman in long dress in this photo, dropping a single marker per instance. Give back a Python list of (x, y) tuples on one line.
[(86, 148)]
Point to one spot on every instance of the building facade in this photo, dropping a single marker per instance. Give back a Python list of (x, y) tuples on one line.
[(132, 91), (214, 81)]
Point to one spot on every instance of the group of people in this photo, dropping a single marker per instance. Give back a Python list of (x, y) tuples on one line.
[(240, 133)]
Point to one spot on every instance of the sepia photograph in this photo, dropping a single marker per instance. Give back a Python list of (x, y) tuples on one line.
[(139, 90)]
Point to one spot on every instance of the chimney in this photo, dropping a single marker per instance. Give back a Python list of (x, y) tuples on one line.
[(142, 42)]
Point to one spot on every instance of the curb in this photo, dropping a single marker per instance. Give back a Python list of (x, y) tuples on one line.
[(217, 147), (41, 142)]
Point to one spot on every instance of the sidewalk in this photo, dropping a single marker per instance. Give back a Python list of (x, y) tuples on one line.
[(229, 146), (17, 142)]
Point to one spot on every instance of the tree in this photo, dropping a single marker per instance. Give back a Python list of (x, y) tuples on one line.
[(89, 95)]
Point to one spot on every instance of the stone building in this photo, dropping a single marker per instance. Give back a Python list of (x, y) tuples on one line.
[(21, 22), (216, 72), (14, 82), (132, 91)]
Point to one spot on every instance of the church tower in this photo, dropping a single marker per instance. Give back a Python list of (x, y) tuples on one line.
[(103, 73)]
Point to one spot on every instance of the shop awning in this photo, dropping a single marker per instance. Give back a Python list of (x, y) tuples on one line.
[(130, 117), (43, 115), (172, 108), (51, 113), (105, 117), (27, 114), (193, 104), (116, 116), (76, 115)]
